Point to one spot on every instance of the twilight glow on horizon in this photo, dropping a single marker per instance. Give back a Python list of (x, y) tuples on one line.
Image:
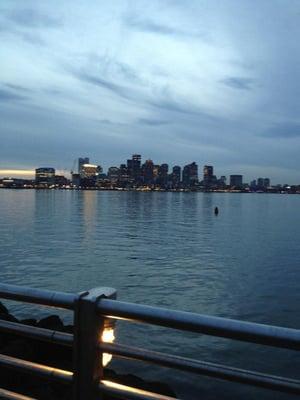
[(216, 82)]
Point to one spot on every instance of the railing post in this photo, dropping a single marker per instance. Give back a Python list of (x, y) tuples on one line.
[(88, 328)]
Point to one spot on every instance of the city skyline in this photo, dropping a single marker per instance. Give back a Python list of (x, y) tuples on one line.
[(139, 172), (79, 162), (215, 82), (205, 169)]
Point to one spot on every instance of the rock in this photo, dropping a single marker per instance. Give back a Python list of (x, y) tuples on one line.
[(8, 317), (52, 322), (3, 309), (29, 321), (69, 329)]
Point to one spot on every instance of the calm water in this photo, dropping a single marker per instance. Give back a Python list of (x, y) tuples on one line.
[(167, 249)]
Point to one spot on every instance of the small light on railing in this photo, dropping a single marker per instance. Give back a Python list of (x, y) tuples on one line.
[(107, 337)]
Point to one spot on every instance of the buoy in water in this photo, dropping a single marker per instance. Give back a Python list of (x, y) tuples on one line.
[(216, 211)]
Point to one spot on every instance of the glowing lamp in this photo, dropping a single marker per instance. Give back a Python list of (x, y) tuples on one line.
[(107, 337)]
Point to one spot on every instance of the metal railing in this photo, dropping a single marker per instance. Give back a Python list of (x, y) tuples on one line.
[(92, 310)]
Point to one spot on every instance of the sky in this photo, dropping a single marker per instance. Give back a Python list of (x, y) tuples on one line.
[(216, 82)]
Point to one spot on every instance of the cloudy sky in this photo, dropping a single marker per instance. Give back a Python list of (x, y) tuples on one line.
[(216, 82)]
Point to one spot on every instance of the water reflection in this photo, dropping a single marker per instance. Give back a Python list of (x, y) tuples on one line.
[(90, 216)]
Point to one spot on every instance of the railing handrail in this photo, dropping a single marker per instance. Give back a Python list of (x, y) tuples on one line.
[(92, 308), (214, 326), (38, 296)]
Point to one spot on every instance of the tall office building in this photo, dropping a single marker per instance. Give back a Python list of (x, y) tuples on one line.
[(236, 181), (113, 174), (163, 174), (147, 172), (134, 167), (222, 180), (267, 182), (176, 176), (156, 168), (263, 183), (81, 162), (190, 175), (123, 174), (208, 174)]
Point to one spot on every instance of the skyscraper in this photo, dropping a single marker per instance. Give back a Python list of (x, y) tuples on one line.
[(208, 175), (263, 183), (163, 174), (176, 176), (190, 175), (123, 174), (134, 167), (82, 161), (113, 174), (147, 171), (236, 181)]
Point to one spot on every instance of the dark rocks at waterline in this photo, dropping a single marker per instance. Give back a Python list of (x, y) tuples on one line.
[(52, 355)]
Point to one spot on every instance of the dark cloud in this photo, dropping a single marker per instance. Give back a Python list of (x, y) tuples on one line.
[(8, 96), (105, 121), (162, 102), (167, 104), (33, 39), (106, 65), (146, 25), (172, 106), (18, 88), (152, 122), (127, 72), (53, 91), (29, 37), (119, 90), (32, 18), (238, 83), (284, 131)]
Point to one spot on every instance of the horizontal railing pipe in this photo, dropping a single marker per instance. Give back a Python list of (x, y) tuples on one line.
[(214, 326), (34, 332), (8, 395), (38, 296), (204, 368), (129, 393), (35, 369)]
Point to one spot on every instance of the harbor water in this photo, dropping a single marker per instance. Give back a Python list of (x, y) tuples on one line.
[(169, 250)]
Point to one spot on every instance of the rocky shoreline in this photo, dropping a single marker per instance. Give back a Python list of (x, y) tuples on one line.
[(54, 356)]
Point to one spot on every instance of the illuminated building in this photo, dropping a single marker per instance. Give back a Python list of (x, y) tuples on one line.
[(88, 171), (45, 176), (81, 162), (208, 175), (134, 167), (123, 174)]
